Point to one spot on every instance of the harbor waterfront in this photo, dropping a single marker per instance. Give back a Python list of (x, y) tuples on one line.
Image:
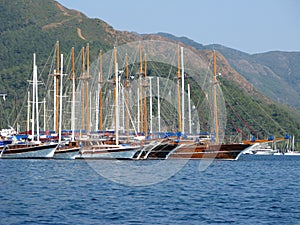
[(108, 109), (251, 190), (107, 118), (102, 125)]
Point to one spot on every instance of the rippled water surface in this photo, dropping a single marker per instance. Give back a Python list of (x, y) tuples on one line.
[(252, 190)]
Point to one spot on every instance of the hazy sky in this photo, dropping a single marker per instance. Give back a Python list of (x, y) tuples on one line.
[(251, 26)]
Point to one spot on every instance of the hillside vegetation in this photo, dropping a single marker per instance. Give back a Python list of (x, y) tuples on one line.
[(35, 26)]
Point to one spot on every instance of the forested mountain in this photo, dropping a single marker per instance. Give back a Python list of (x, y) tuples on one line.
[(28, 26)]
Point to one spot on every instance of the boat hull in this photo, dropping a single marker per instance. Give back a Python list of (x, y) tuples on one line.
[(107, 153), (161, 151), (66, 153), (222, 152), (29, 152), (264, 152), (291, 153), (67, 150)]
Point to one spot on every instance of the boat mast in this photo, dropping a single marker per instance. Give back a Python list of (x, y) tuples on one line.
[(73, 98), (44, 114), (100, 92), (138, 110), (158, 105), (33, 98), (116, 97), (215, 98), (178, 91), (141, 88), (82, 90), (60, 98), (189, 107), (28, 111), (150, 94), (36, 102), (90, 112), (56, 87), (127, 97), (87, 88), (293, 143), (182, 89), (145, 98)]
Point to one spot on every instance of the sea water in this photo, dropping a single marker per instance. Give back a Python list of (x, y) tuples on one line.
[(251, 190)]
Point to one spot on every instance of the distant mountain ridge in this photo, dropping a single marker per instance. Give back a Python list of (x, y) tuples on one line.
[(275, 73)]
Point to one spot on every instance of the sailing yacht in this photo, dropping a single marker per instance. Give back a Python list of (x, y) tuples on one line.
[(109, 149), (33, 148), (67, 149), (203, 149)]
